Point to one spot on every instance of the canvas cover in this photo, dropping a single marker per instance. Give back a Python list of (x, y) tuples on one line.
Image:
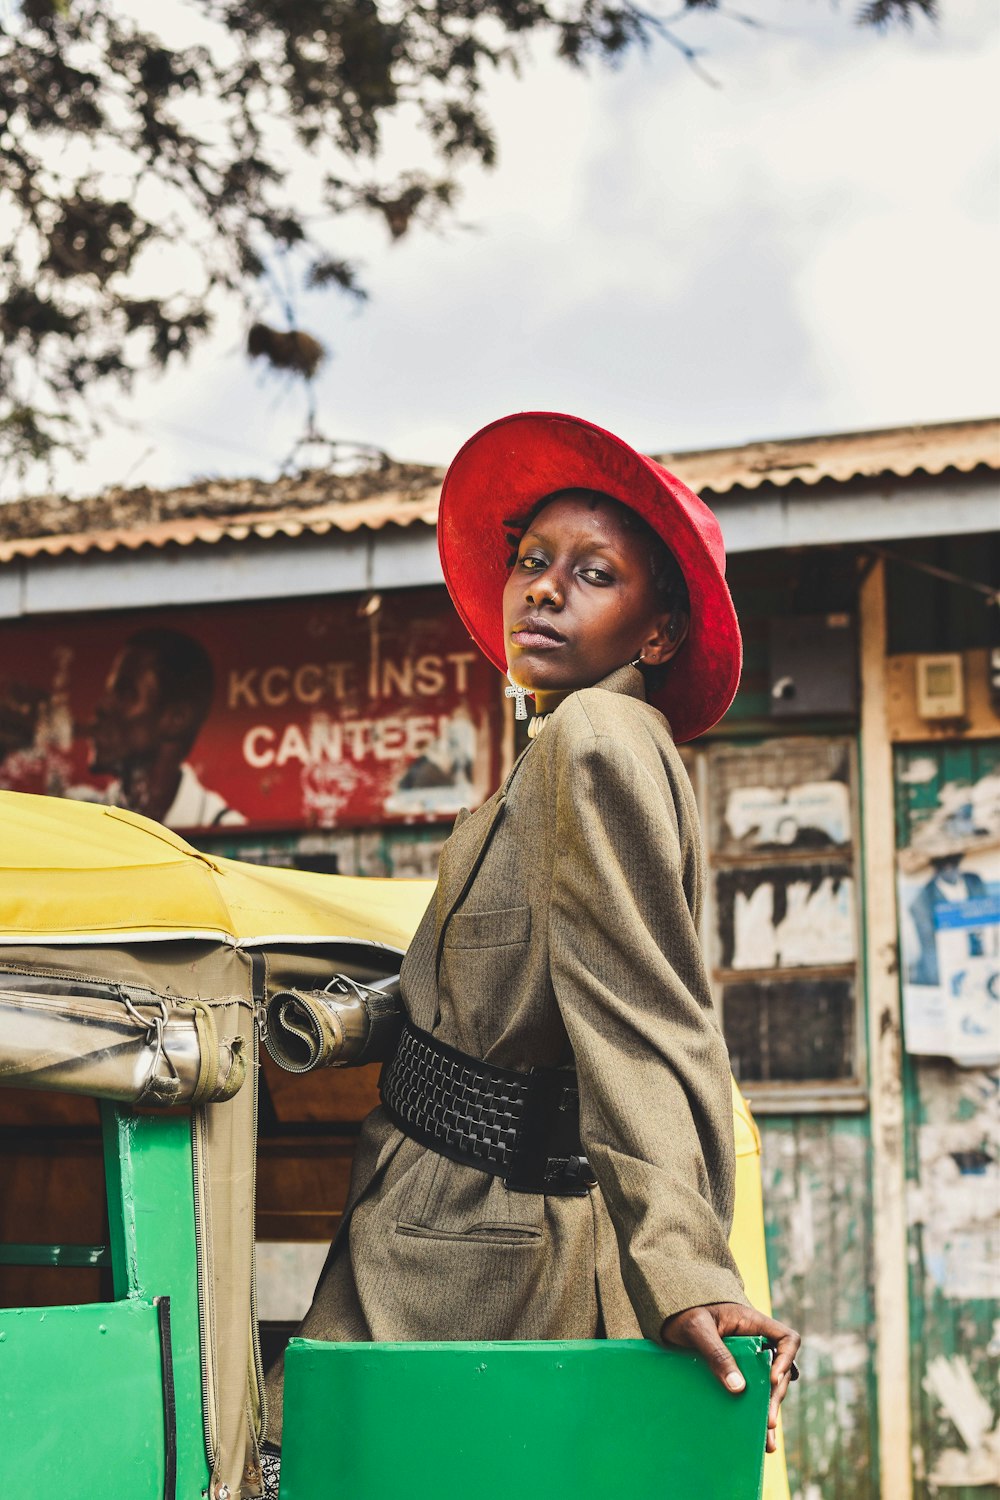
[(94, 901)]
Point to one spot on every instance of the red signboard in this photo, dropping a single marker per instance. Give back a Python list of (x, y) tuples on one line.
[(341, 712)]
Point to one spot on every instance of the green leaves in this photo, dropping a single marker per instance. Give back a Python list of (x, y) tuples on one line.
[(142, 185)]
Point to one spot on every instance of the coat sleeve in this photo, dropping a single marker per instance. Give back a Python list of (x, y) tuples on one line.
[(629, 979)]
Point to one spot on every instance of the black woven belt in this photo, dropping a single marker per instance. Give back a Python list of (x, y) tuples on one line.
[(523, 1127)]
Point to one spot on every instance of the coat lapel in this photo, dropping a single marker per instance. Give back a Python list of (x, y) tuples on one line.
[(466, 848), (471, 836), (463, 851)]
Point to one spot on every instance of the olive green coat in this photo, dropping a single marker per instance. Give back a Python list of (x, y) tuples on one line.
[(564, 926)]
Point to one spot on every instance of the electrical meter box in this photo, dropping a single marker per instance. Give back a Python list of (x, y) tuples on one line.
[(940, 686)]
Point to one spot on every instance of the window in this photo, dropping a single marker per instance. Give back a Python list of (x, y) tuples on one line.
[(781, 922)]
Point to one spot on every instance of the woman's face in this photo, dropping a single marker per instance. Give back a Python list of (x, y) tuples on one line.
[(581, 600)]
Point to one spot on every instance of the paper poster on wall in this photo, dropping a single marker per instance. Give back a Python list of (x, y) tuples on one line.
[(949, 920), (785, 916), (785, 796)]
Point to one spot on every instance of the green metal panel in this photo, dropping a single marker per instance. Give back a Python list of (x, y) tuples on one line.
[(153, 1254), (542, 1421), (817, 1197), (54, 1255), (81, 1408), (81, 1397)]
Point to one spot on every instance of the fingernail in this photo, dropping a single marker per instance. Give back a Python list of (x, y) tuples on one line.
[(735, 1381)]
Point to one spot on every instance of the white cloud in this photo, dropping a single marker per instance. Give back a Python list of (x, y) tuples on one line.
[(810, 246)]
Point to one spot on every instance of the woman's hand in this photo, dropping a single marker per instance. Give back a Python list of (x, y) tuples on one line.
[(703, 1329)]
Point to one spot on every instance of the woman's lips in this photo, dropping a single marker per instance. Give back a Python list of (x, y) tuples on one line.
[(530, 641), (536, 640), (536, 633)]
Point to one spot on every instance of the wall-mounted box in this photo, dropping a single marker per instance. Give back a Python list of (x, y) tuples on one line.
[(813, 666), (980, 721), (940, 686)]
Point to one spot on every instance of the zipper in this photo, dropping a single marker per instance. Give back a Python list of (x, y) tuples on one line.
[(258, 1395), (206, 1332), (92, 1005)]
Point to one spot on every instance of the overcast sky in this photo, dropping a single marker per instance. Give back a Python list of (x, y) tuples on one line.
[(809, 247)]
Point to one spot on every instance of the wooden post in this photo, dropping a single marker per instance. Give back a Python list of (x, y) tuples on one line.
[(885, 1045)]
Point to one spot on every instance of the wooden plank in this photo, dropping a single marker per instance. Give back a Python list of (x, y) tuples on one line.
[(336, 1096), (35, 1107), (52, 1192), (884, 1050), (302, 1186), (981, 719), (818, 1222)]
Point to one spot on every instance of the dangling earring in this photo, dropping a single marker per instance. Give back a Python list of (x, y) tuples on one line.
[(517, 693), (639, 660)]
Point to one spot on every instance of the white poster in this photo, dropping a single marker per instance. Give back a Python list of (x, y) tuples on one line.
[(950, 940)]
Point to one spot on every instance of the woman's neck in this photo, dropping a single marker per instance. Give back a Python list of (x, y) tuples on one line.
[(545, 702)]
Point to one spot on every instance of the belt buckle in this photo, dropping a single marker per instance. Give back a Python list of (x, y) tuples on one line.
[(569, 1174)]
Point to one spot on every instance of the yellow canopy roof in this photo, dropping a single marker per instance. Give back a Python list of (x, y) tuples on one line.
[(75, 871)]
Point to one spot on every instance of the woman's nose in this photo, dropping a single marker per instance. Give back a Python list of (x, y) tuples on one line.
[(543, 588)]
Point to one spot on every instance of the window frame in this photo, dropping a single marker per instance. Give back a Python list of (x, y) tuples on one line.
[(784, 1097)]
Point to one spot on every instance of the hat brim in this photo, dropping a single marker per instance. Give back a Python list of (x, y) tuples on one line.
[(509, 466)]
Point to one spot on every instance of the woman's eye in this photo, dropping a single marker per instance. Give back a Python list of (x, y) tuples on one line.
[(531, 563), (597, 575)]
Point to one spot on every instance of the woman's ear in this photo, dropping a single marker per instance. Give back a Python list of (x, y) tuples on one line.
[(667, 639)]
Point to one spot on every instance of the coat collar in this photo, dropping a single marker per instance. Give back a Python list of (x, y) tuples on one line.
[(627, 680)]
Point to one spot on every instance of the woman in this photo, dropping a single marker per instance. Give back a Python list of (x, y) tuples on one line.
[(554, 1155)]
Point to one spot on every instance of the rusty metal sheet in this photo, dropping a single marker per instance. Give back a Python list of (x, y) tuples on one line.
[(899, 451), (391, 494)]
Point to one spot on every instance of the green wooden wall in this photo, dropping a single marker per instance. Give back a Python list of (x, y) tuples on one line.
[(953, 1193)]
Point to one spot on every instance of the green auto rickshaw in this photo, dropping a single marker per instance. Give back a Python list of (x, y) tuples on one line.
[(136, 970)]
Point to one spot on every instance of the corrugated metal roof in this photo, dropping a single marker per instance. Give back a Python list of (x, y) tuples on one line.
[(320, 501), (899, 451)]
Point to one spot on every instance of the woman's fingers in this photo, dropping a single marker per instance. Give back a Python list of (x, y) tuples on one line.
[(784, 1341), (779, 1390), (783, 1364), (697, 1329), (702, 1329)]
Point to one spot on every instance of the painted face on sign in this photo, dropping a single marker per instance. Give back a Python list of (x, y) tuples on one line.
[(126, 724), (157, 695), (581, 599)]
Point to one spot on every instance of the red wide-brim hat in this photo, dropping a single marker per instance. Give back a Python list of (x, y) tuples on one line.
[(512, 464)]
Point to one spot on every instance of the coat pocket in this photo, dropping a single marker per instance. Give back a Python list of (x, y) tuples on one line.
[(450, 1201), (489, 929), (478, 1234)]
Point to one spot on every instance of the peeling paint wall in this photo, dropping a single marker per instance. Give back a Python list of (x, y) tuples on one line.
[(953, 1198), (953, 1193), (817, 1193)]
